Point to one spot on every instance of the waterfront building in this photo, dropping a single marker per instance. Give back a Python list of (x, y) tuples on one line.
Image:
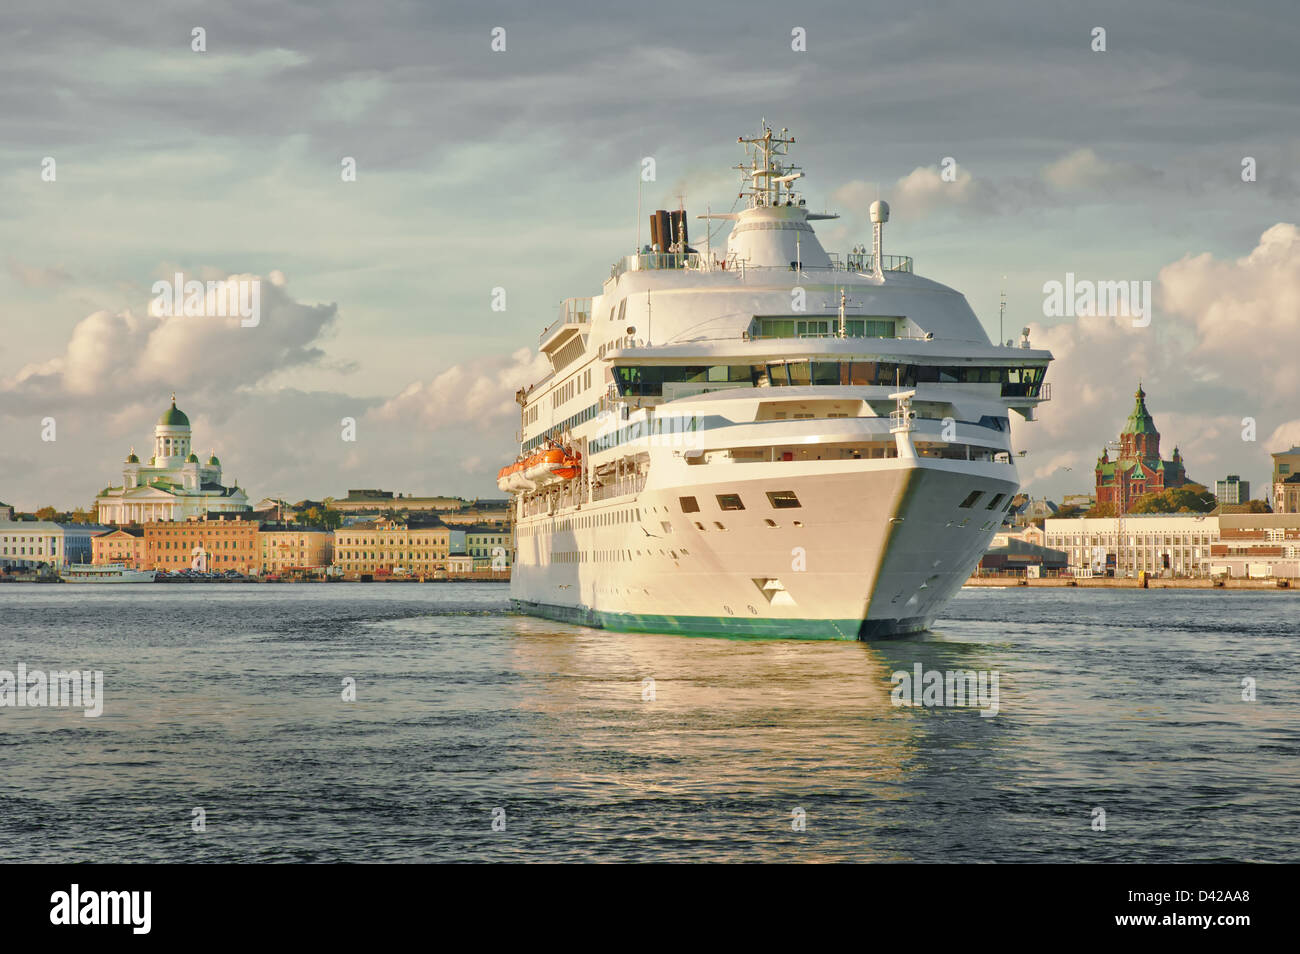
[(1010, 554), (1034, 510), (1138, 469), (1258, 545), (403, 546), (450, 510), (1286, 481), (1232, 490), (6, 511), (173, 485), (1081, 501), (274, 510), (214, 543), (1159, 544), (492, 547), (479, 512), (289, 548), (29, 543), (380, 501), (459, 563), (123, 545)]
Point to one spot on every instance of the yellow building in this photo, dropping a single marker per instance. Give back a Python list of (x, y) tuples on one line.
[(402, 547), (124, 545), (491, 547), (288, 549)]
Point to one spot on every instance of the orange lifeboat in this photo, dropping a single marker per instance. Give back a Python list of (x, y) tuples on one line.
[(572, 467), (541, 467), (512, 477), (503, 475)]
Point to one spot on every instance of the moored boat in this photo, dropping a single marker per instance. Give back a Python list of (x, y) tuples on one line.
[(105, 573)]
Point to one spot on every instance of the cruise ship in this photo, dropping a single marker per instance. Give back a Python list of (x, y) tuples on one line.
[(763, 438)]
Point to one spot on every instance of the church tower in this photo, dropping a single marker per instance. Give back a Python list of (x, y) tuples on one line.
[(171, 437), (1138, 470), (1140, 440)]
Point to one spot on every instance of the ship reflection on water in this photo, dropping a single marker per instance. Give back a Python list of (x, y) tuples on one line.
[(726, 741)]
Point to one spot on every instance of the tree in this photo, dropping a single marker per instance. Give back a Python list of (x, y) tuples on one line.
[(321, 517), (46, 513), (1190, 498), (1257, 506), (1069, 510)]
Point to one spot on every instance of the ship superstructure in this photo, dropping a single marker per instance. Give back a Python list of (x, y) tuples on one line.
[(764, 438)]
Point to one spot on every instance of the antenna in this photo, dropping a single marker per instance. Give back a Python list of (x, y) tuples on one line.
[(1002, 307), (708, 245), (637, 249), (844, 301)]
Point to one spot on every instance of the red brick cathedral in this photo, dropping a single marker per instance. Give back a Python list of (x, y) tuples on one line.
[(1139, 469)]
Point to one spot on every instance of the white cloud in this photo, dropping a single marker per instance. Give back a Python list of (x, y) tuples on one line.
[(1218, 350), (1084, 169), (1245, 313), (915, 195), (137, 355), (480, 392)]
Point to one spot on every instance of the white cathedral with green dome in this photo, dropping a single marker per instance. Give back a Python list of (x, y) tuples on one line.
[(174, 485)]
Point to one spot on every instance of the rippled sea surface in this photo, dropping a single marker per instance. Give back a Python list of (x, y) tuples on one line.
[(229, 699)]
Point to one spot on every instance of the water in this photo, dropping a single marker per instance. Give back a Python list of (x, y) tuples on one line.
[(228, 698)]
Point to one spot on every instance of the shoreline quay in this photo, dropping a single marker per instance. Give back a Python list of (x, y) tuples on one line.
[(1279, 584)]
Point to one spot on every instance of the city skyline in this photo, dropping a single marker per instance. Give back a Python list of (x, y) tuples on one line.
[(376, 294)]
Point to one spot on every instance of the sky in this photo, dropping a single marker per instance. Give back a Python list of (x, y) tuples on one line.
[(479, 169)]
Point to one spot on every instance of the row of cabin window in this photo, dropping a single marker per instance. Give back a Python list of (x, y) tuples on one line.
[(975, 495), (649, 380), (779, 499)]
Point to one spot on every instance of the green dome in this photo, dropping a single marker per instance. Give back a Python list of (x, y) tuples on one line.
[(131, 458), (192, 459), (174, 416), (1140, 421), (213, 462)]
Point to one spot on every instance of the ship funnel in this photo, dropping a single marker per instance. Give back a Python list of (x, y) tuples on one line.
[(667, 229), (660, 231)]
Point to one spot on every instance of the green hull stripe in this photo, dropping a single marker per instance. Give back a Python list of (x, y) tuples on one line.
[(727, 625)]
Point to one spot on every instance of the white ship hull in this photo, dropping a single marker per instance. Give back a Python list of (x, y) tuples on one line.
[(880, 550)]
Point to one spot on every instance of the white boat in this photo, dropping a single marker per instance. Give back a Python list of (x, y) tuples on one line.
[(767, 439), (104, 573)]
